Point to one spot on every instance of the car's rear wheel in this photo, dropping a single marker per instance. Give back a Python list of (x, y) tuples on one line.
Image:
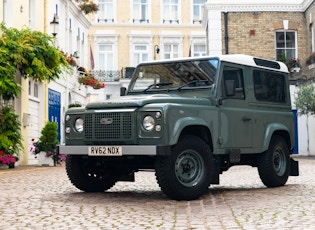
[(274, 164), (89, 174), (186, 174)]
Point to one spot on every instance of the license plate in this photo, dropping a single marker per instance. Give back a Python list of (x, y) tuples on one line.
[(105, 151)]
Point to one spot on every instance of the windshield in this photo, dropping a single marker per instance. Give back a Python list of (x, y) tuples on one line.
[(175, 75)]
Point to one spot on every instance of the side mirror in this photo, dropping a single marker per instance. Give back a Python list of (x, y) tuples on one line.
[(229, 88), (123, 91)]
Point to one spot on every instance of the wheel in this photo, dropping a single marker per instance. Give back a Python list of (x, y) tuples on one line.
[(89, 174), (274, 164), (186, 174)]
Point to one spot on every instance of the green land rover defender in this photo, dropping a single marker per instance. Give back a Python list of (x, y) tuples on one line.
[(189, 120)]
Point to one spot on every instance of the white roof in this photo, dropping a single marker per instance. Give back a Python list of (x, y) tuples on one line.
[(233, 58)]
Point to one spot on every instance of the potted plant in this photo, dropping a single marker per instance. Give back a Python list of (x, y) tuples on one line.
[(45, 147)]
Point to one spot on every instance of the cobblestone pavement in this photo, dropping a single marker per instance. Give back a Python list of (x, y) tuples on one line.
[(43, 198)]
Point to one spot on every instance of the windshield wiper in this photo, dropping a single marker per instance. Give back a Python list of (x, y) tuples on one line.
[(191, 82), (158, 84)]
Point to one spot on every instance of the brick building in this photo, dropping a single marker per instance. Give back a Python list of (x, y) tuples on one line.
[(268, 29)]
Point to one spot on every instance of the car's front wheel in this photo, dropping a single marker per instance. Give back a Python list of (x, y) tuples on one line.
[(90, 174), (186, 174)]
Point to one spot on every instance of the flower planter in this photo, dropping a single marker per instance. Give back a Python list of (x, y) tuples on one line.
[(4, 167), (44, 161)]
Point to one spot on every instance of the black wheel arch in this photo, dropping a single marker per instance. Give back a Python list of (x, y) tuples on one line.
[(199, 131), (286, 136)]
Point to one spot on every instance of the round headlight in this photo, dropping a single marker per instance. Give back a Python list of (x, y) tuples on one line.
[(148, 123), (78, 125)]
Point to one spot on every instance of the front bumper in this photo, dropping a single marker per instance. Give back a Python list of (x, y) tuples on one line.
[(127, 150)]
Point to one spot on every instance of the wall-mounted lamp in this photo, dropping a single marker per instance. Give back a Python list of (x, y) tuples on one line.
[(55, 24), (26, 119), (156, 51), (21, 9)]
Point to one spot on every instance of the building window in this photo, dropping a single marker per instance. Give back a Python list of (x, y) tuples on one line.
[(106, 57), (171, 51), (32, 88), (198, 50), (198, 6), (106, 11), (140, 54), (286, 45), (170, 11), (140, 11), (35, 90)]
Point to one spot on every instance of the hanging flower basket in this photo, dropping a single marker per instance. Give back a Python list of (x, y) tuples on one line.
[(89, 7)]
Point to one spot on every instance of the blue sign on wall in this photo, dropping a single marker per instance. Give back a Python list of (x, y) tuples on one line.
[(54, 104)]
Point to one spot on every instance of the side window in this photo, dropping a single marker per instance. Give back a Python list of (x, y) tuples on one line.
[(233, 82), (269, 86)]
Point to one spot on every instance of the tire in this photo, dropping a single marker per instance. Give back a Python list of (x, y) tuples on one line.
[(90, 175), (274, 164), (186, 174)]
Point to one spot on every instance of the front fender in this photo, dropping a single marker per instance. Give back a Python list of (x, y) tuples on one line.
[(182, 123)]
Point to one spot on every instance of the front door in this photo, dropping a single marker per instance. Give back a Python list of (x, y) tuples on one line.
[(235, 117), (54, 108)]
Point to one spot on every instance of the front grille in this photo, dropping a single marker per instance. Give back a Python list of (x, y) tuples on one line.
[(118, 126)]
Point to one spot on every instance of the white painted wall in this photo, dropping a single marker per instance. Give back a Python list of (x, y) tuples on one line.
[(306, 125)]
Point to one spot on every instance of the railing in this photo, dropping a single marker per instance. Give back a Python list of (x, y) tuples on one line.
[(106, 75)]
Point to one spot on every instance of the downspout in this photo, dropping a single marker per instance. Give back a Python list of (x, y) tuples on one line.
[(226, 32)]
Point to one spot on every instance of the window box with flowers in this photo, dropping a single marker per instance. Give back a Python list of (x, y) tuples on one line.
[(45, 148), (293, 65), (89, 80)]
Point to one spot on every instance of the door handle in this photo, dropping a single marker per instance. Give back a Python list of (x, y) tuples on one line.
[(246, 119)]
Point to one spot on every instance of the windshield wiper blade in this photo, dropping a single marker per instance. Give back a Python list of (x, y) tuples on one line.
[(191, 82), (158, 84)]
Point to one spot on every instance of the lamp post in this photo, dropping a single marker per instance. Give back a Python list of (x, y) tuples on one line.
[(156, 51), (55, 23)]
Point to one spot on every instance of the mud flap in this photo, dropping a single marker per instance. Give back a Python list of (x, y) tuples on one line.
[(294, 168)]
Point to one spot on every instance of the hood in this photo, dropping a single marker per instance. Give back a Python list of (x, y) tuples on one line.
[(141, 100)]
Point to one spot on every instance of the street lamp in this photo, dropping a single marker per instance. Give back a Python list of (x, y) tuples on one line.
[(156, 51), (55, 24)]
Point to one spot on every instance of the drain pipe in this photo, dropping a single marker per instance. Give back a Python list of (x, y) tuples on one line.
[(226, 33)]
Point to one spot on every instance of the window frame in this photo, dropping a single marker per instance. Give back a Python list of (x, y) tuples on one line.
[(285, 48), (101, 13), (147, 15), (239, 85), (170, 18), (140, 54), (267, 94), (200, 9)]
